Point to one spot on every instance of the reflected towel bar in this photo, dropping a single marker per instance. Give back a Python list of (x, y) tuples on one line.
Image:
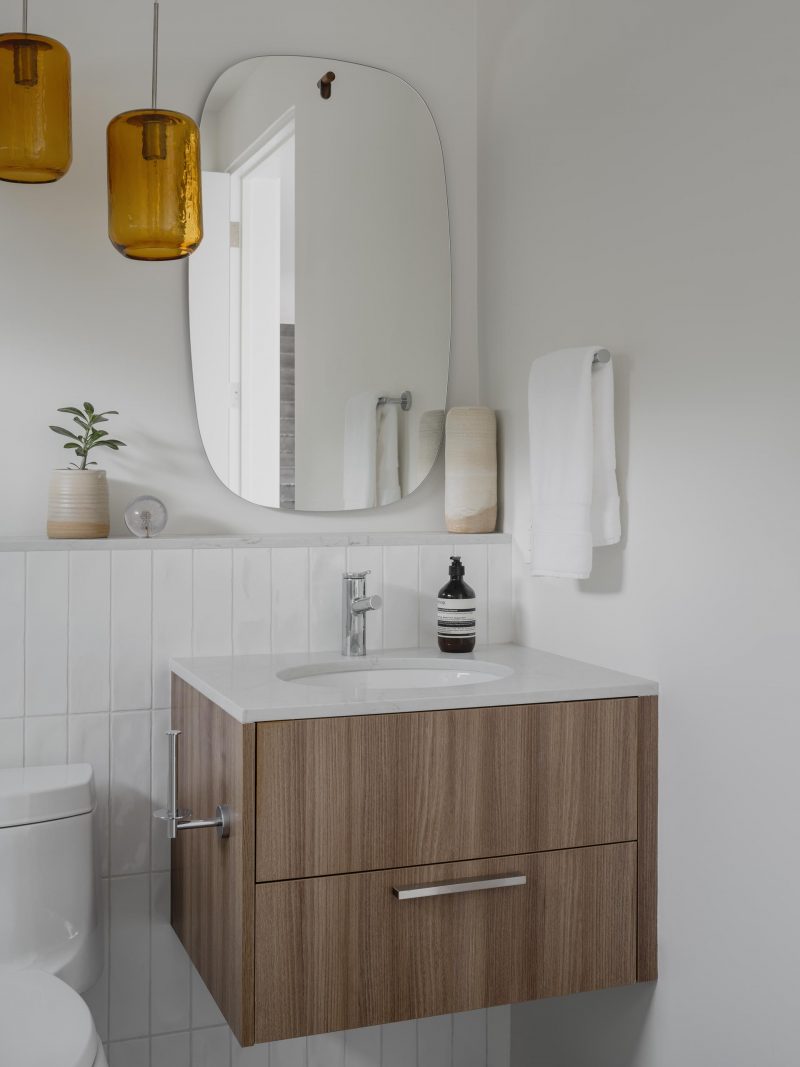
[(404, 400)]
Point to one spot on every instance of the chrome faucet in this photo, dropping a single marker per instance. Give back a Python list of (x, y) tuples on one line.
[(355, 605)]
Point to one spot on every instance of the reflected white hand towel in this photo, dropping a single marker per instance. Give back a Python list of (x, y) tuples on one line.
[(360, 450), (574, 497), (388, 467)]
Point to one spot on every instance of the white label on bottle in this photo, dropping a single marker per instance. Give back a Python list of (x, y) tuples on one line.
[(456, 618)]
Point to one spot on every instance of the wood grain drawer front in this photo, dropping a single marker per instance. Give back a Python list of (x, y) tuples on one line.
[(343, 952), (377, 791)]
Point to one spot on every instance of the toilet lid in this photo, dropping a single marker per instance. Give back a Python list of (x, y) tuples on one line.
[(44, 1023)]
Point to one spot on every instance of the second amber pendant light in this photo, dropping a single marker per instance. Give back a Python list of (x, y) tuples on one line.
[(154, 190)]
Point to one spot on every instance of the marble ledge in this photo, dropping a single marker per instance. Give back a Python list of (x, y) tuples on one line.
[(273, 540)]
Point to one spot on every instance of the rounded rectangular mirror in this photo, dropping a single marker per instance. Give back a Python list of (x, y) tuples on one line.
[(319, 300)]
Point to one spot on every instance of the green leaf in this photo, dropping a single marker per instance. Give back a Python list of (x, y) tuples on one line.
[(71, 444), (72, 411), (88, 408), (108, 413), (64, 433), (112, 442), (84, 425)]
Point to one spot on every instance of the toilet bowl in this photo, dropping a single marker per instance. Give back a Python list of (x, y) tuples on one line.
[(45, 1023), (51, 942)]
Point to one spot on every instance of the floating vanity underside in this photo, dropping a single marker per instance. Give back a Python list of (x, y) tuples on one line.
[(293, 921)]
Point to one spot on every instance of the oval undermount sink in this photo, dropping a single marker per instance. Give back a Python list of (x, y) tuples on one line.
[(377, 673)]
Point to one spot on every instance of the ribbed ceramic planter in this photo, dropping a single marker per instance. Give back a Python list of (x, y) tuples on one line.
[(470, 480), (77, 504)]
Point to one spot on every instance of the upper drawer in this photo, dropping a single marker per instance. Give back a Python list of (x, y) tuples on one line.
[(377, 791)]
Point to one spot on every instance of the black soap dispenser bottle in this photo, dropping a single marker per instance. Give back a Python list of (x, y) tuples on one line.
[(456, 611)]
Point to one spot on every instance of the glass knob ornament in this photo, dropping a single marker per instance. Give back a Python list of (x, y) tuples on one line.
[(146, 516)]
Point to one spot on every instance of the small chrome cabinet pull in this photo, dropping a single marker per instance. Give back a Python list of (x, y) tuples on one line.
[(466, 885), (178, 818)]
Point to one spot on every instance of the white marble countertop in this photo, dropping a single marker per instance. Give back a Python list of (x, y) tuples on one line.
[(249, 689)]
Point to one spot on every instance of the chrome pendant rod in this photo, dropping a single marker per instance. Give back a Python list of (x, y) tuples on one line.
[(155, 53), (25, 16)]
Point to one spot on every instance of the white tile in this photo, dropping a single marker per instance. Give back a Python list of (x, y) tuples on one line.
[(475, 565), (170, 973), (326, 1050), (129, 958), (501, 610), (11, 743), (401, 596), (399, 1044), (131, 637), (434, 1041), (129, 1053), (159, 770), (89, 742), (252, 608), (213, 605), (172, 616), (254, 1056), (362, 1048), (434, 565), (290, 600), (46, 597), (291, 1053), (327, 567), (130, 792), (45, 740), (369, 558), (469, 1039), (89, 626), (211, 1048), (12, 633), (97, 997), (171, 1050), (498, 1036), (204, 1008)]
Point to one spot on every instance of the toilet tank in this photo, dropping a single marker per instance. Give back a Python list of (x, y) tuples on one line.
[(48, 873)]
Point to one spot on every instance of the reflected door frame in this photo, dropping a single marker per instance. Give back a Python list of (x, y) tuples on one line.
[(255, 289)]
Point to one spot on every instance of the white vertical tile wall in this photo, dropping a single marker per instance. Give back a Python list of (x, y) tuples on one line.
[(85, 642), (12, 634)]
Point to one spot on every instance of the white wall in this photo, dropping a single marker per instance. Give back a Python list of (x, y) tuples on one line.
[(640, 188), (85, 642), (80, 322)]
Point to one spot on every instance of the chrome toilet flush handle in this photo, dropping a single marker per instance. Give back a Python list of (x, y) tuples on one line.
[(178, 818)]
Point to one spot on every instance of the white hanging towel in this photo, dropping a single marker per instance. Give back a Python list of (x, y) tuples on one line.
[(360, 451), (388, 466), (574, 496)]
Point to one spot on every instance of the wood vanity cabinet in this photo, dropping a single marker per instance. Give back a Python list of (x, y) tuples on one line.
[(294, 921)]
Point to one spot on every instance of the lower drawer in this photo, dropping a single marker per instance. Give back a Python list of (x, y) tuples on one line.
[(345, 951)]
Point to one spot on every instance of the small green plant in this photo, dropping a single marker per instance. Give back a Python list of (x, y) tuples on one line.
[(90, 437)]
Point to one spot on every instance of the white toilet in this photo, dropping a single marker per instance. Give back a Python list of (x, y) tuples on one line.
[(51, 941)]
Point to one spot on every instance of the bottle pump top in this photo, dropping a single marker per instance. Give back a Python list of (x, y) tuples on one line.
[(456, 567)]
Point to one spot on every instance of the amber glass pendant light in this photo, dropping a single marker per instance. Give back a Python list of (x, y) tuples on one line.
[(35, 112), (154, 200)]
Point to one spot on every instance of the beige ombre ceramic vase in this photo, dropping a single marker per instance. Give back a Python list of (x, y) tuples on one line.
[(77, 504), (470, 463)]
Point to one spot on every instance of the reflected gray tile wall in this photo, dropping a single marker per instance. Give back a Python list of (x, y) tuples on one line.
[(287, 470), (85, 642)]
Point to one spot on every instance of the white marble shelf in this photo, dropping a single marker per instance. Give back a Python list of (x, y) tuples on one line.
[(249, 689), (274, 540)]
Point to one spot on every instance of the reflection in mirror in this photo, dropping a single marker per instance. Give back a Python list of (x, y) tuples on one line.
[(319, 300)]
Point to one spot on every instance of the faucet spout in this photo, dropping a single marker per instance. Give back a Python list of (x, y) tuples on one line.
[(355, 607)]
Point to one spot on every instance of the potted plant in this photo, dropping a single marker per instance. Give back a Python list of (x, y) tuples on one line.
[(78, 498)]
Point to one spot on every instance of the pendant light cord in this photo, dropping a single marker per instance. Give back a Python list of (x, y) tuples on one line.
[(155, 51), (25, 16)]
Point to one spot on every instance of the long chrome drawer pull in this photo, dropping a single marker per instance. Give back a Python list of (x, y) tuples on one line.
[(467, 885)]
